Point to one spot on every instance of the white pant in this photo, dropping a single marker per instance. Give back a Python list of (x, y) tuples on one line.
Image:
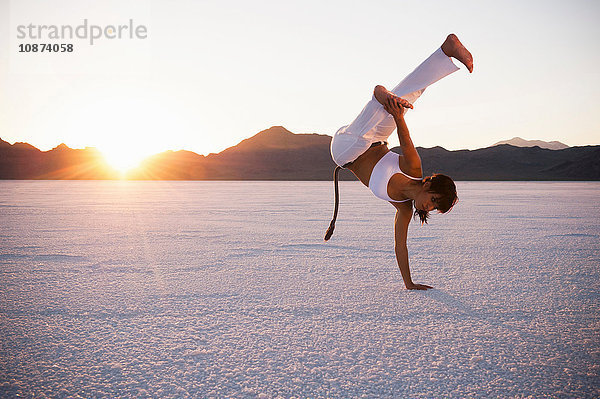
[(374, 123)]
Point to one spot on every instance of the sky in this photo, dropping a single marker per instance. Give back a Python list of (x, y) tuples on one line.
[(209, 74)]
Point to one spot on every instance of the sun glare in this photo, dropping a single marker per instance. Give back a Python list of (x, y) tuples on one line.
[(123, 159), (127, 125)]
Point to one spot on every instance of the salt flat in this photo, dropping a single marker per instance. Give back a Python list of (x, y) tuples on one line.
[(226, 289)]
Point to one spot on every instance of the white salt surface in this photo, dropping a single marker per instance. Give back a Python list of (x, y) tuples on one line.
[(226, 289)]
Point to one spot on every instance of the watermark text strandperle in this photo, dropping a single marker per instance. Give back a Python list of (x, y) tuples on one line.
[(83, 31)]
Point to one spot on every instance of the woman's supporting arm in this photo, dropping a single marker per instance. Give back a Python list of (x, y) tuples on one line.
[(403, 216)]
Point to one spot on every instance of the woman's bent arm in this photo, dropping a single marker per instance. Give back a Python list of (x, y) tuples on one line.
[(411, 156), (403, 215)]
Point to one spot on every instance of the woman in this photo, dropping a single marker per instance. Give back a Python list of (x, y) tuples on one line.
[(361, 148)]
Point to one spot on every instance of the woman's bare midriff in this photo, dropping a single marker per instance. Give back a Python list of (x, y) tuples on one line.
[(364, 164)]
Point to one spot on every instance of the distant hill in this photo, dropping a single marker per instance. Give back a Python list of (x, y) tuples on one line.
[(506, 162), (24, 161), (278, 154), (519, 142), (273, 154)]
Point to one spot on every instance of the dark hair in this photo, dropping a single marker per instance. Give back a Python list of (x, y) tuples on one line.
[(445, 188)]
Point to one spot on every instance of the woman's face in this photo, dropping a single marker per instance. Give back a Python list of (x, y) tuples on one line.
[(426, 200)]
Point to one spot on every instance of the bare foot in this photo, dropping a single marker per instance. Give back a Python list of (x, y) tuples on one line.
[(385, 97), (452, 47)]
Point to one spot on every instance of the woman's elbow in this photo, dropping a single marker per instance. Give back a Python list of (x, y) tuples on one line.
[(400, 246)]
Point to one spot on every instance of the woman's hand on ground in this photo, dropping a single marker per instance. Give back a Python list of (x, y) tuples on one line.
[(418, 287)]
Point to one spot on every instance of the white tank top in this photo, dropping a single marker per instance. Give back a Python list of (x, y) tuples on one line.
[(383, 171)]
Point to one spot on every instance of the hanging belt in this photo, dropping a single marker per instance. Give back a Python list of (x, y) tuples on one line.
[(329, 232)]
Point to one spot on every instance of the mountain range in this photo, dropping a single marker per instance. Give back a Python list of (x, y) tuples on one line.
[(278, 154), (519, 142)]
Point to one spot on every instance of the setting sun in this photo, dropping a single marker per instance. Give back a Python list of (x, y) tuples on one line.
[(123, 159), (127, 128)]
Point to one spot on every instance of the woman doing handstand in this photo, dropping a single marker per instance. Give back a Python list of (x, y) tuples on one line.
[(361, 148)]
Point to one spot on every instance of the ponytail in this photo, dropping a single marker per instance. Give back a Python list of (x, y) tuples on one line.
[(423, 215)]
